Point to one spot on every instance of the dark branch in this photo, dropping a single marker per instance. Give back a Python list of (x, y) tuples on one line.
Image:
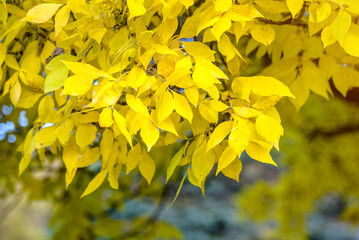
[(334, 133), (289, 21)]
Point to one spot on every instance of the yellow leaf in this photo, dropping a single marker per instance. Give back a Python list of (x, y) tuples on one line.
[(149, 134), (46, 107), (164, 106), (56, 79), (162, 49), (187, 3), (69, 176), (136, 77), (3, 13), (213, 69), (150, 82), (263, 103), (36, 82), (199, 50), (207, 113), (3, 51), (268, 86), (28, 99), (272, 6), (259, 153), (345, 78), (246, 112), (85, 135), (121, 123), (88, 156), (29, 147), (61, 19), (31, 61), (91, 117), (166, 65), (95, 183), (192, 179), (233, 170), (241, 87), (106, 146), (192, 95), (97, 34), (137, 105), (182, 106), (263, 33), (341, 25), (184, 65), (105, 119), (46, 52), (226, 47), (165, 31), (11, 61), (176, 159), (222, 25), (222, 5), (15, 93), (208, 17), (300, 91), (216, 105), (113, 175), (15, 10), (79, 6), (206, 73), (9, 84), (219, 133), (351, 39), (63, 131), (166, 124), (202, 161), (45, 137), (227, 157), (269, 128), (136, 8), (106, 93), (133, 158), (147, 167), (41, 13), (295, 6), (327, 37), (239, 137), (77, 85), (315, 79), (323, 11), (243, 13), (70, 155), (84, 69), (135, 121), (189, 28)]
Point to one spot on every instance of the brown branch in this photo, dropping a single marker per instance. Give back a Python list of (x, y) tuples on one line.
[(302, 12), (340, 131), (289, 21)]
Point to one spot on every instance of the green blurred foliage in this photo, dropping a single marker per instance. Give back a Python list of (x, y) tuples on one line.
[(319, 170)]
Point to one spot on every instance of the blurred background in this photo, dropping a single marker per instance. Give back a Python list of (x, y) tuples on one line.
[(312, 194)]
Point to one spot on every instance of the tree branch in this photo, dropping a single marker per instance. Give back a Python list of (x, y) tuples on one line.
[(289, 21), (334, 133)]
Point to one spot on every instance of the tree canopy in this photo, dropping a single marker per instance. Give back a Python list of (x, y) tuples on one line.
[(117, 80)]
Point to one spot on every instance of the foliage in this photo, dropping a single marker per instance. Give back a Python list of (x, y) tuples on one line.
[(114, 80)]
